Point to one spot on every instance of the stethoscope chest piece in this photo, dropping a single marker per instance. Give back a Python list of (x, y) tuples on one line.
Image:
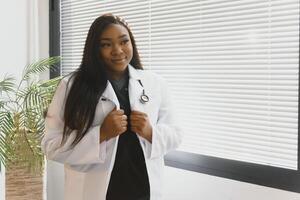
[(144, 98)]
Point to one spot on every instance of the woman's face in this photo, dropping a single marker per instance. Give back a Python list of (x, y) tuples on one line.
[(115, 50)]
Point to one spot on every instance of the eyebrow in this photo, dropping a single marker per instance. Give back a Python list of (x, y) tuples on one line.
[(121, 36)]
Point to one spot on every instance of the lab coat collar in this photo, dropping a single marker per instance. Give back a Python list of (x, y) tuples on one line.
[(110, 94), (133, 73)]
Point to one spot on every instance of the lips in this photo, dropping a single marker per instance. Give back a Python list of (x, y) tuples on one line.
[(118, 60)]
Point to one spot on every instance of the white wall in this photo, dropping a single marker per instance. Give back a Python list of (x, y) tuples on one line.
[(13, 37), (23, 38), (24, 34), (13, 48)]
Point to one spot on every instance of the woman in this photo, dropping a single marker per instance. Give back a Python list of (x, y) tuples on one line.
[(110, 123)]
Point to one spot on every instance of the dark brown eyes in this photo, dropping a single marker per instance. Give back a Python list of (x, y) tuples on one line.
[(107, 44)]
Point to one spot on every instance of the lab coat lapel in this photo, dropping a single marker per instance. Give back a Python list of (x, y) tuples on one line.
[(135, 89), (110, 94)]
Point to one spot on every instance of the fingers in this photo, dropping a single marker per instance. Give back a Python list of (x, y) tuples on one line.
[(114, 124), (138, 113), (121, 121), (124, 117), (138, 119), (121, 130), (138, 124), (135, 129), (117, 112)]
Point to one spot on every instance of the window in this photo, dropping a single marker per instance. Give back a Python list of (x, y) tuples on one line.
[(232, 67)]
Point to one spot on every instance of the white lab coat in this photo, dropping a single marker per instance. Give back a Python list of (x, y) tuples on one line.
[(88, 165)]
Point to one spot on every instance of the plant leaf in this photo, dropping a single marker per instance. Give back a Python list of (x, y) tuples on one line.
[(6, 127), (40, 66), (7, 84)]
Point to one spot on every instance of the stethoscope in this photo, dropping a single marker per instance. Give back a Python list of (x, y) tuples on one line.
[(144, 98)]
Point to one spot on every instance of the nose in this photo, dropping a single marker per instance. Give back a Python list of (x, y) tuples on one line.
[(117, 49)]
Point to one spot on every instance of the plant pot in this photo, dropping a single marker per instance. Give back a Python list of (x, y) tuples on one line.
[(20, 184)]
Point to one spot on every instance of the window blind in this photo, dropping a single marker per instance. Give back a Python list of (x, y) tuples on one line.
[(232, 68)]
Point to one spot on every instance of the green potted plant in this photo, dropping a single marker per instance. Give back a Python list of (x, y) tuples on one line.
[(22, 108)]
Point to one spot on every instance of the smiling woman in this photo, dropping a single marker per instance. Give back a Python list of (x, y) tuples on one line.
[(111, 122)]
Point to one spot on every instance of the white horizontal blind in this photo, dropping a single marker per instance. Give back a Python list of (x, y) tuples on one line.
[(232, 67)]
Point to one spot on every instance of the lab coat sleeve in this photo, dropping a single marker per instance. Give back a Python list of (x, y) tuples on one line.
[(87, 151), (166, 134)]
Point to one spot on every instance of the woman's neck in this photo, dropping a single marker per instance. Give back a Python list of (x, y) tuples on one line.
[(117, 75)]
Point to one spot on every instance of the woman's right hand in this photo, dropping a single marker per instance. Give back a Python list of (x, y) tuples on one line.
[(114, 124)]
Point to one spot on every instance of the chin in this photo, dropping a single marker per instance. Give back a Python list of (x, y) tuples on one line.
[(119, 68)]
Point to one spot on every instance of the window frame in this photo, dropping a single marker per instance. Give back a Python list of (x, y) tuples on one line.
[(264, 175)]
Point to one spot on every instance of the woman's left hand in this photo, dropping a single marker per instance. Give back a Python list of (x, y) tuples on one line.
[(140, 124)]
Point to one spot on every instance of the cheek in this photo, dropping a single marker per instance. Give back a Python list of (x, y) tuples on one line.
[(129, 51), (104, 54)]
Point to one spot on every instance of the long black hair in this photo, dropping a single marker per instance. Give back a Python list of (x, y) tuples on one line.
[(90, 79)]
